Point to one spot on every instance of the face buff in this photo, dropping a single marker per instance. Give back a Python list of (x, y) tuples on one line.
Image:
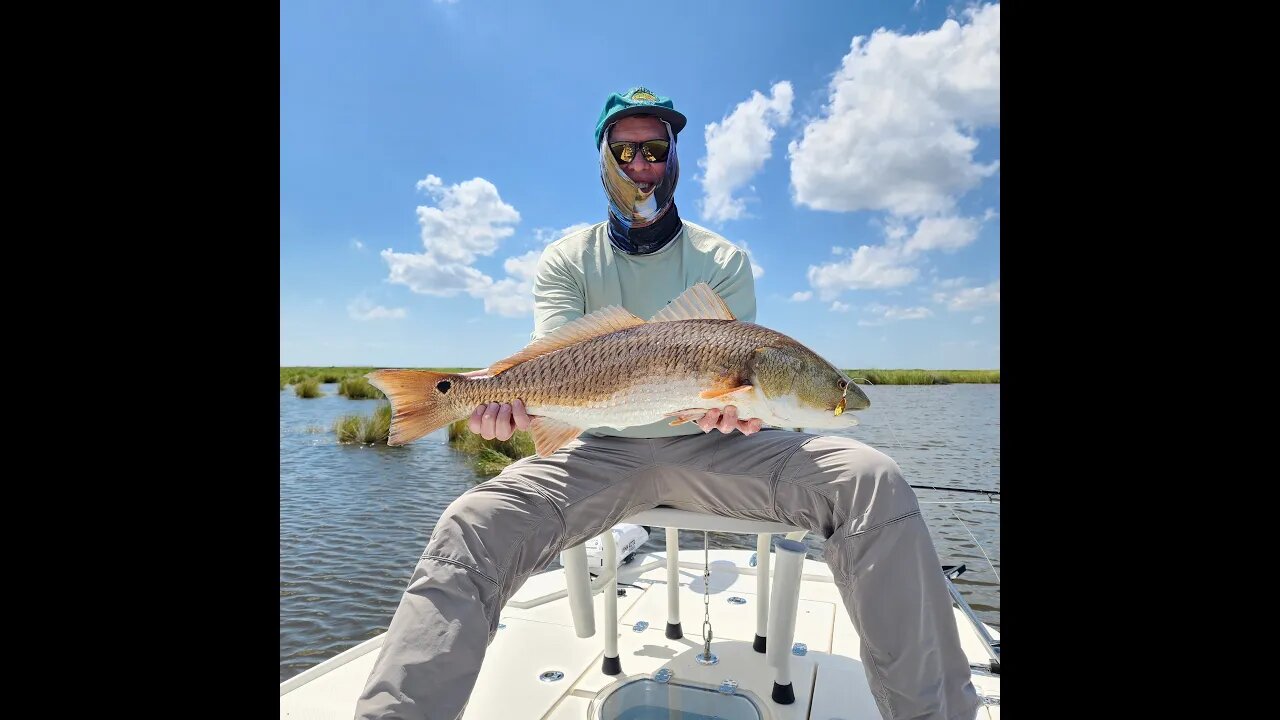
[(640, 223)]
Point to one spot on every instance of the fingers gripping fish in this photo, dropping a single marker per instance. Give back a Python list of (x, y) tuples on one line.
[(613, 369)]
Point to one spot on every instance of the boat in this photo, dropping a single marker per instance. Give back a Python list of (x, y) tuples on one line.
[(746, 644)]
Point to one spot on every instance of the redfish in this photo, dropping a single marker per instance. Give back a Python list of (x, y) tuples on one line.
[(613, 369)]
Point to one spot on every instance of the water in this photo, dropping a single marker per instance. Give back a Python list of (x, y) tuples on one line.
[(650, 700), (354, 520)]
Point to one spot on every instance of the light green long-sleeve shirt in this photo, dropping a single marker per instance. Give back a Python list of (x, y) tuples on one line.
[(581, 273)]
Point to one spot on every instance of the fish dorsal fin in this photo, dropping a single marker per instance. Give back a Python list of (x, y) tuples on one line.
[(699, 302), (601, 322)]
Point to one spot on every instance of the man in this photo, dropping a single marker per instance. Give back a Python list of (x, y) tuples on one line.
[(494, 536)]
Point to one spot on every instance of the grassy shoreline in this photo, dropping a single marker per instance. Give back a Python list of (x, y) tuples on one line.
[(488, 457), (294, 374)]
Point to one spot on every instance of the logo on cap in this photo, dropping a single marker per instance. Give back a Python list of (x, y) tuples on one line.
[(644, 96)]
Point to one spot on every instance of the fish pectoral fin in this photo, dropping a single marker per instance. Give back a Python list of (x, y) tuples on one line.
[(726, 394), (549, 435), (686, 415)]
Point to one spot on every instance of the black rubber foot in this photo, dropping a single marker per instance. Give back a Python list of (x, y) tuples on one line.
[(784, 694), (674, 632), (612, 666), (758, 645)]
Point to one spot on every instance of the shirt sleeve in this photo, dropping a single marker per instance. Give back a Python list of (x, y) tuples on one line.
[(735, 283), (558, 297)]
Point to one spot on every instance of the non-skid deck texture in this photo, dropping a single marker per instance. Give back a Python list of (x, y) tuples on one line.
[(828, 681)]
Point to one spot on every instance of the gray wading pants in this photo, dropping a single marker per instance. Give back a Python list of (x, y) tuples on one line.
[(497, 534)]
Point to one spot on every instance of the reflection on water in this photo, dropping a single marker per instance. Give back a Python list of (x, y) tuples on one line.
[(355, 519)]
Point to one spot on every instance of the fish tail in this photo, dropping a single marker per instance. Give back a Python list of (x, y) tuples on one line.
[(420, 401)]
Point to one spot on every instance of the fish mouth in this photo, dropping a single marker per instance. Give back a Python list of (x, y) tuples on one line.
[(855, 399)]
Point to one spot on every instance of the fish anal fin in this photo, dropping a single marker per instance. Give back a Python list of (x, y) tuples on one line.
[(549, 435), (600, 322), (699, 302), (726, 394), (686, 415)]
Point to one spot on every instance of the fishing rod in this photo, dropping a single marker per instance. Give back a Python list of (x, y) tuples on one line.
[(892, 429), (952, 489)]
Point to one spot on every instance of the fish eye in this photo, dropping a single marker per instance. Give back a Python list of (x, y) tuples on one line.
[(843, 384)]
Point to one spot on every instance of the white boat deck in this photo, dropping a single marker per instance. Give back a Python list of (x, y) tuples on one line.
[(829, 682)]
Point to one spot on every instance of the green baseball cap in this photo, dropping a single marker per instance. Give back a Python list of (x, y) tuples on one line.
[(638, 101)]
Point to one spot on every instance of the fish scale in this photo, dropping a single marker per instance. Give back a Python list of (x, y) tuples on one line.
[(595, 372), (612, 369)]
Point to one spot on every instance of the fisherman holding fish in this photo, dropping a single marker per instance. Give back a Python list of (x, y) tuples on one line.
[(648, 384)]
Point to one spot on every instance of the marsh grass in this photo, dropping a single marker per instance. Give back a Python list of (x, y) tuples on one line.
[(923, 377), (491, 462), (294, 374), (356, 387), (365, 430), (490, 456)]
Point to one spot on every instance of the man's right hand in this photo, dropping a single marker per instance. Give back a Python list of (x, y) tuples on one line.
[(499, 421)]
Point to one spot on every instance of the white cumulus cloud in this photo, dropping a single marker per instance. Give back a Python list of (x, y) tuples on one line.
[(425, 273), (868, 267), (513, 296), (952, 283), (880, 314), (362, 308), (898, 131), (737, 148), (947, 234), (469, 220), (893, 263), (547, 236), (968, 298), (757, 271), (907, 313)]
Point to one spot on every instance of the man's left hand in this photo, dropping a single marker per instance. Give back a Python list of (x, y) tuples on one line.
[(727, 421)]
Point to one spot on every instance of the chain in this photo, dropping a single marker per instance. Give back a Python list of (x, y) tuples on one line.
[(706, 596)]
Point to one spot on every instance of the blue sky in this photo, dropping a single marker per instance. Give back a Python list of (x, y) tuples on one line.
[(430, 149)]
